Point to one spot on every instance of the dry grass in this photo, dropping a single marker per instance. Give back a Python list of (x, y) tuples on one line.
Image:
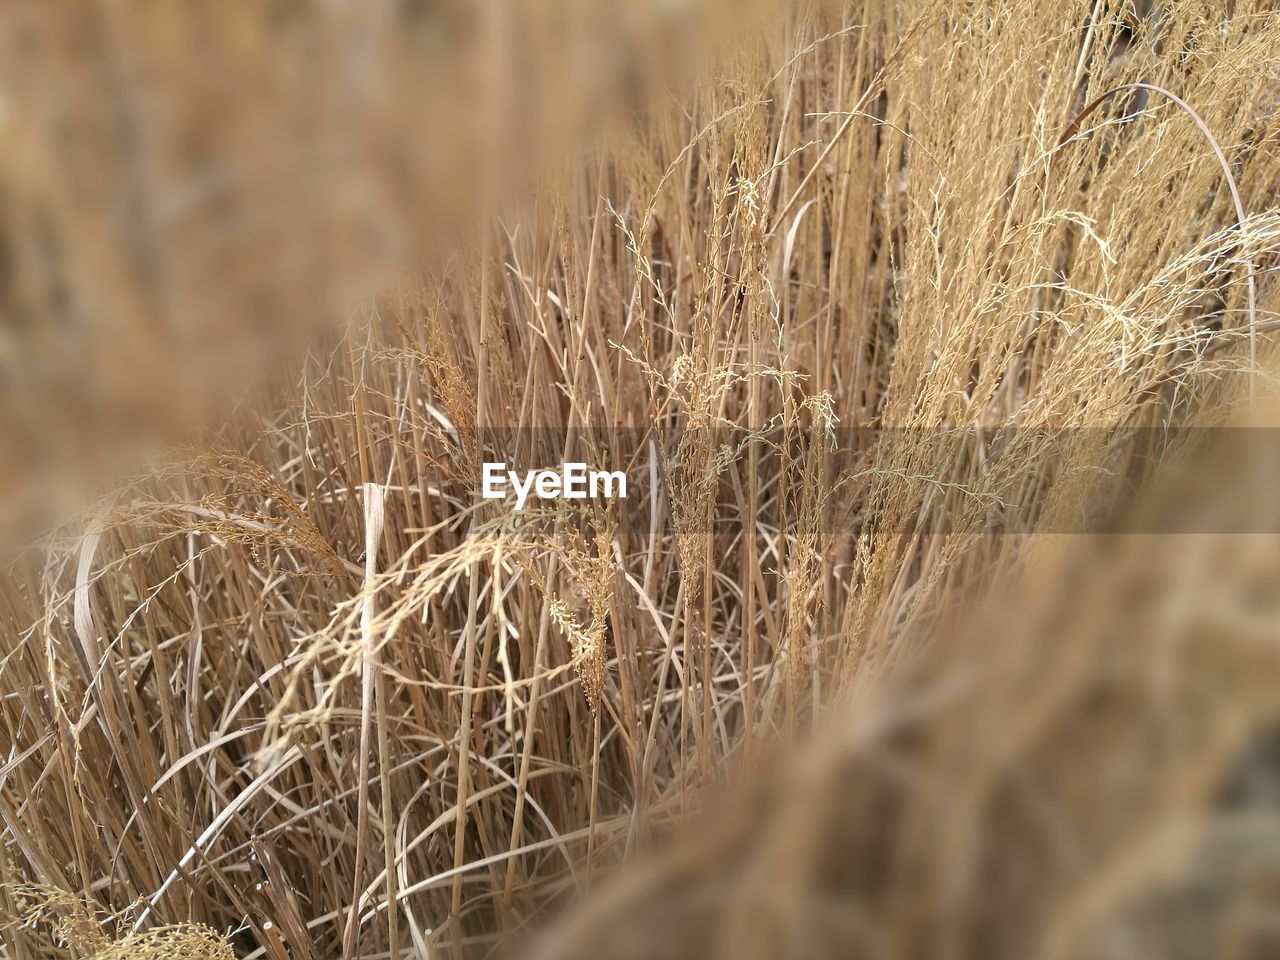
[(296, 683)]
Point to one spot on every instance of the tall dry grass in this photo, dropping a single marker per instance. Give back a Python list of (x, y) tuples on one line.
[(295, 683)]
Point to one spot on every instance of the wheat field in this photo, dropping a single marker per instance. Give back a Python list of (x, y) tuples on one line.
[(910, 325)]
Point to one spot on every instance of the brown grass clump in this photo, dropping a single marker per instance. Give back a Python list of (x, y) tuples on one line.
[(870, 302), (73, 926)]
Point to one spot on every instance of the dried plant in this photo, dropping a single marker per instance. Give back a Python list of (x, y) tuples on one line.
[(867, 300)]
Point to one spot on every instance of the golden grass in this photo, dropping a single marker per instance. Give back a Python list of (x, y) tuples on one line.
[(295, 690)]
